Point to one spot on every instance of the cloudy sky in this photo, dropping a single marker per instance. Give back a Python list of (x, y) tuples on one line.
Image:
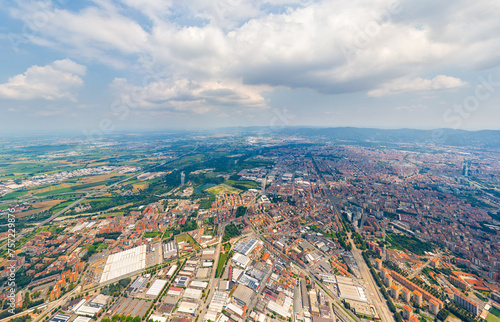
[(149, 64)]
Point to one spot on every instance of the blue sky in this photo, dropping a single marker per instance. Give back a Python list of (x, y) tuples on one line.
[(149, 64)]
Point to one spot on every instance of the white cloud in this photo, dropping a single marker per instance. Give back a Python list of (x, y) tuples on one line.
[(224, 14), (185, 95), (302, 48), (259, 46), (100, 33), (57, 80), (416, 85)]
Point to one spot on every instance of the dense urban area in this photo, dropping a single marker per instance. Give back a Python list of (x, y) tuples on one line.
[(250, 226)]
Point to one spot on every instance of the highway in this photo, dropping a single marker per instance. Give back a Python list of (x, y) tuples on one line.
[(89, 195), (49, 306), (68, 295)]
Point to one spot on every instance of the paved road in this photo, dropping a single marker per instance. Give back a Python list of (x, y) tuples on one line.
[(212, 284), (90, 195), (339, 311), (380, 303), (65, 297), (375, 295), (418, 270), (49, 305)]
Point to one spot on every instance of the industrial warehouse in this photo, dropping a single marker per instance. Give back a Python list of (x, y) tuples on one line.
[(123, 263)]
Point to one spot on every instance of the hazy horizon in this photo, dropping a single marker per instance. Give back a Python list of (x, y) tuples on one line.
[(131, 65)]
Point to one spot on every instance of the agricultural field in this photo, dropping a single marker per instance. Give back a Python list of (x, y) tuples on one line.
[(84, 183), (79, 185), (23, 167), (57, 187), (39, 207)]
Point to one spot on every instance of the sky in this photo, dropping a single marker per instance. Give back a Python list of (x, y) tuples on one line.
[(105, 66)]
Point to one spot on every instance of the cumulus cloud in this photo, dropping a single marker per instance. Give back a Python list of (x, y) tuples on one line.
[(57, 80), (100, 33), (327, 46), (416, 85), (185, 95)]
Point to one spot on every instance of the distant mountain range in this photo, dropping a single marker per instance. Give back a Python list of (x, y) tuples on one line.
[(483, 139)]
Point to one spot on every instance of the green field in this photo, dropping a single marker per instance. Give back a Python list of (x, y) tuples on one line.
[(152, 234), (246, 184), (220, 265), (494, 311), (61, 206), (186, 238), (223, 189), (14, 195), (492, 318), (53, 192), (54, 229), (32, 167), (412, 244), (96, 199), (167, 234)]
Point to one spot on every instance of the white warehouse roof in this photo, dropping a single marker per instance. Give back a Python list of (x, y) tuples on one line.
[(241, 260), (123, 263), (187, 307), (199, 284), (192, 293), (156, 288)]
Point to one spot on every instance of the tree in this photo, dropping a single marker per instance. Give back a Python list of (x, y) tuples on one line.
[(240, 211), (443, 314)]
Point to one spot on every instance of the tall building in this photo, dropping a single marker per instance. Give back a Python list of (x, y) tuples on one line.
[(395, 290), (417, 298), (458, 282), (434, 306), (406, 294), (54, 295), (183, 178), (412, 286), (467, 304), (407, 312)]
